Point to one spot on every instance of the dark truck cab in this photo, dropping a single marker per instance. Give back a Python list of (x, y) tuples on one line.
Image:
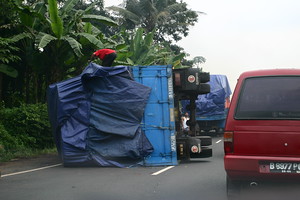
[(188, 84)]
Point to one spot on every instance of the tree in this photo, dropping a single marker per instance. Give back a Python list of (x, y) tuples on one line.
[(61, 41), (7, 56), (54, 40), (198, 60), (141, 50), (7, 16), (169, 19)]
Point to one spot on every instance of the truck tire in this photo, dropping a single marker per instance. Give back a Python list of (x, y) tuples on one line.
[(205, 140)]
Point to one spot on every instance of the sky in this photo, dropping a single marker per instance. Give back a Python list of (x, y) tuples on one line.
[(237, 36)]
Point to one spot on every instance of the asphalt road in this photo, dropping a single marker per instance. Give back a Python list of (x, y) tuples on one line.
[(202, 179)]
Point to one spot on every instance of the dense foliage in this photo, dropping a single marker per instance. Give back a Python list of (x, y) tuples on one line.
[(46, 41), (25, 127), (169, 19)]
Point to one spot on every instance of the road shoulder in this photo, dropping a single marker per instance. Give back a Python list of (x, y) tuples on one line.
[(24, 164)]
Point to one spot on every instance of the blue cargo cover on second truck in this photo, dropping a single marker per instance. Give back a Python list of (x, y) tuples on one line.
[(212, 108)]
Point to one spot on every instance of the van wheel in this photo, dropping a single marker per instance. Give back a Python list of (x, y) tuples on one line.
[(233, 189)]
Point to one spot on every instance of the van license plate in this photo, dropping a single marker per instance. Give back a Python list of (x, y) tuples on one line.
[(284, 167)]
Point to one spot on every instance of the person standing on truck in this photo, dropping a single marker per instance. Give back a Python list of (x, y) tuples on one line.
[(106, 55), (184, 126)]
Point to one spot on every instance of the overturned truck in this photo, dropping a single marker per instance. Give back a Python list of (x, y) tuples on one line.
[(118, 116)]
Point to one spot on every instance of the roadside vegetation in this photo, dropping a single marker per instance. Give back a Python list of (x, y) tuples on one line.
[(46, 41)]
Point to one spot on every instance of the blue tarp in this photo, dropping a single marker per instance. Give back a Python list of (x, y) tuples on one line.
[(212, 103), (96, 117)]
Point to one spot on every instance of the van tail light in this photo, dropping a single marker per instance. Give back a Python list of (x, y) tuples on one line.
[(228, 142)]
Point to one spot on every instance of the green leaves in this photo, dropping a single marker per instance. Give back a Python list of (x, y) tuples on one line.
[(137, 43), (20, 36), (29, 123), (56, 22), (92, 39), (171, 19), (143, 51), (127, 14), (101, 19), (76, 46), (68, 6), (43, 39), (8, 50), (8, 70), (175, 61)]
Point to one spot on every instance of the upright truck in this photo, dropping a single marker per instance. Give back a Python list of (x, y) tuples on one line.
[(212, 108)]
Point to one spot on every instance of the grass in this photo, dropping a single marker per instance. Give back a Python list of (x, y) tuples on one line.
[(24, 153)]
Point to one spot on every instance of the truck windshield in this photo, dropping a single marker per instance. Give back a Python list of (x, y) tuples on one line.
[(274, 97)]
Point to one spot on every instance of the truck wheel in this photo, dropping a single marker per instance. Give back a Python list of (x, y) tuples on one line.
[(233, 189)]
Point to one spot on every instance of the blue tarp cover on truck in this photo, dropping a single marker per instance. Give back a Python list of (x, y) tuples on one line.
[(96, 117), (212, 104)]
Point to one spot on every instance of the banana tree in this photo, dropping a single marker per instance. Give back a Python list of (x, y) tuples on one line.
[(70, 38), (142, 50), (54, 42)]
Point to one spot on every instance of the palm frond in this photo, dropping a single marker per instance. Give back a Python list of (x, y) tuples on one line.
[(92, 39), (20, 36), (8, 70), (136, 43), (56, 22), (41, 9), (43, 39), (121, 46), (87, 27), (99, 18), (68, 6), (91, 6), (149, 39), (147, 6), (174, 8), (126, 14), (76, 46)]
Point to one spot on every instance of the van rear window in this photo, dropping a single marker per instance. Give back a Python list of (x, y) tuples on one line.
[(274, 97)]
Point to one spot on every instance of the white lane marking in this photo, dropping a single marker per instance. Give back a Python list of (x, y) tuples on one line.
[(31, 170), (218, 141), (161, 171)]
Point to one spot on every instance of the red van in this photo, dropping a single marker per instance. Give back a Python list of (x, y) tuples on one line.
[(262, 131)]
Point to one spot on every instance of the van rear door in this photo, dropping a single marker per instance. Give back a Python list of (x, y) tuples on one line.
[(267, 117)]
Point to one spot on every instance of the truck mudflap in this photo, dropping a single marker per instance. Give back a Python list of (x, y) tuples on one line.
[(193, 147)]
